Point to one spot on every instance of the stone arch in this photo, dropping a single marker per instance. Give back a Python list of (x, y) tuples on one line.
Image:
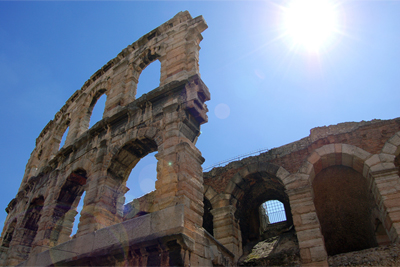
[(90, 102), (356, 160), (128, 156), (64, 211), (389, 157), (104, 207), (8, 235), (141, 62), (392, 146), (248, 188), (256, 184), (58, 133), (30, 225), (85, 103), (335, 154), (236, 184)]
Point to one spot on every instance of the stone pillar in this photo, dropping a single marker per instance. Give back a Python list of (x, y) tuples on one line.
[(179, 171), (227, 229), (180, 181), (47, 223), (101, 202), (182, 54), (386, 190), (308, 229), (123, 87)]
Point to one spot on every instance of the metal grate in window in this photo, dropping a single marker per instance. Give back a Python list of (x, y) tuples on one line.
[(275, 211)]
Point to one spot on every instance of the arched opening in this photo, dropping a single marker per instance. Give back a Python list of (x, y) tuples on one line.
[(94, 112), (261, 188), (136, 167), (345, 210), (149, 79), (63, 138), (9, 234), (208, 218), (142, 178), (96, 108), (78, 216), (275, 235), (30, 221), (141, 184), (65, 210)]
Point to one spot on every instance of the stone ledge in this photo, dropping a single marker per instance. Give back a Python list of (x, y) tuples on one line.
[(156, 228)]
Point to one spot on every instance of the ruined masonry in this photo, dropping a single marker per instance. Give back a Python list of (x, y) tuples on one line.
[(340, 186)]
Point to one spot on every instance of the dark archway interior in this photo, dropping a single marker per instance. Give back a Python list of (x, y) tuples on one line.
[(344, 208), (208, 217), (71, 190), (9, 234), (31, 219), (258, 188)]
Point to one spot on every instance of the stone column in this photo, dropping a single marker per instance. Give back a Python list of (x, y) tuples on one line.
[(308, 229), (46, 224), (100, 207), (180, 181), (227, 229), (179, 171)]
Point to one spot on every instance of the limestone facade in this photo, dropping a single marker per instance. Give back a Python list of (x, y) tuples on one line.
[(339, 177)]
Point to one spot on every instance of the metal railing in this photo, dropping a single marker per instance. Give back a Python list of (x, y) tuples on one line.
[(222, 163)]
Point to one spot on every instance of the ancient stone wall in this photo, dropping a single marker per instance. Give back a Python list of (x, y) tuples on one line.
[(340, 188), (98, 161), (340, 185)]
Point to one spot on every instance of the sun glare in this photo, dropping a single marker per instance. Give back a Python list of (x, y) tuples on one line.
[(310, 23)]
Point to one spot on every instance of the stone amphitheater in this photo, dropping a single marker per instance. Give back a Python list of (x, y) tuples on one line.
[(339, 187)]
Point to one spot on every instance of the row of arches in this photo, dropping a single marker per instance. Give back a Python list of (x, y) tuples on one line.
[(96, 109), (345, 208), (93, 105), (94, 113), (105, 188), (95, 163), (338, 201), (52, 218)]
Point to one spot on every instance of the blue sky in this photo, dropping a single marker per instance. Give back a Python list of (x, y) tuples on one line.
[(274, 94)]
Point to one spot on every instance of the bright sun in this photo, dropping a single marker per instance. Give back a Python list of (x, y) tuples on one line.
[(310, 23)]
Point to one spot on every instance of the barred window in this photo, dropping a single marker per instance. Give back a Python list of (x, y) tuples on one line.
[(275, 211)]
